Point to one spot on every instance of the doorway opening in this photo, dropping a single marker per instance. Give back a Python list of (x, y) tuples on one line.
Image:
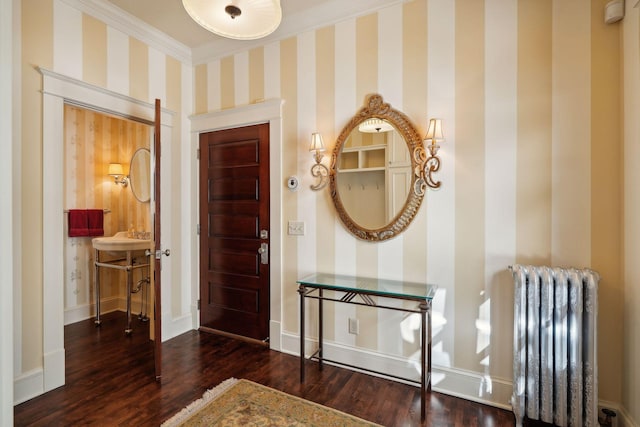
[(59, 90), (93, 141)]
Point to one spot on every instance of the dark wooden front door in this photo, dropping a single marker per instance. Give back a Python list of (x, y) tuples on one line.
[(234, 231)]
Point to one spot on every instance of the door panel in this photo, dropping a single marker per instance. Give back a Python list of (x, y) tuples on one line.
[(234, 187), (245, 226), (234, 298), (234, 209)]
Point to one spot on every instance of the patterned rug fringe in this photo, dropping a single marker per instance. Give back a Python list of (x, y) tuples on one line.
[(196, 405)]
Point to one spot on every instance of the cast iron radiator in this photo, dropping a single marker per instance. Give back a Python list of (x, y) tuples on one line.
[(555, 376)]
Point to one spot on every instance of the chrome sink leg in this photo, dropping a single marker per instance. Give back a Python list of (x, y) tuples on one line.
[(129, 283), (96, 281)]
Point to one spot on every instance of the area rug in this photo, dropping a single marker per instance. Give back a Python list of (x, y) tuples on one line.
[(244, 403)]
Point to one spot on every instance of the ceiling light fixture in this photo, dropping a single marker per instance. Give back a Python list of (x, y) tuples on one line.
[(375, 125), (236, 19)]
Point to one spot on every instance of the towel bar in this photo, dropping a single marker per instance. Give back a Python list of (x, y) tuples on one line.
[(104, 210)]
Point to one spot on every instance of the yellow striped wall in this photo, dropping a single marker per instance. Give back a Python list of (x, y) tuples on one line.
[(525, 177), (60, 38), (92, 141), (529, 93), (631, 224)]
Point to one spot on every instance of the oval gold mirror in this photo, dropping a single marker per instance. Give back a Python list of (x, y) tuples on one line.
[(140, 175), (372, 178)]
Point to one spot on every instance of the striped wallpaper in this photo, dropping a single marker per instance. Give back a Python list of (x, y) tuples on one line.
[(631, 228), (92, 141), (528, 91), (524, 177), (59, 37)]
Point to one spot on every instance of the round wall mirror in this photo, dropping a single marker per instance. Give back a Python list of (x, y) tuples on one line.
[(372, 177), (140, 175)]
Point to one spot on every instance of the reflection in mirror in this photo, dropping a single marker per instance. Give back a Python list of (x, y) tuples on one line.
[(140, 175), (373, 172)]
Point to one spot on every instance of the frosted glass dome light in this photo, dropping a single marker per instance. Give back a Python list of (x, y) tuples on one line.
[(374, 125), (236, 19)]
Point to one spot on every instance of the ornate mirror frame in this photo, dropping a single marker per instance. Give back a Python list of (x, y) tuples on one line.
[(375, 107)]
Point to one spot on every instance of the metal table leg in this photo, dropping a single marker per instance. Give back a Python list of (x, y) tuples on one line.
[(424, 367), (301, 291), (320, 331), (429, 344)]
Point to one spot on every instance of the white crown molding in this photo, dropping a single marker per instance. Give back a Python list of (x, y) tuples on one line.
[(134, 27), (322, 15)]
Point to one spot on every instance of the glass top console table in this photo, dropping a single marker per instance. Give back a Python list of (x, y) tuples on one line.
[(372, 293)]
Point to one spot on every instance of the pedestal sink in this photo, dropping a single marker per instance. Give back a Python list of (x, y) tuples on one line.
[(119, 242)]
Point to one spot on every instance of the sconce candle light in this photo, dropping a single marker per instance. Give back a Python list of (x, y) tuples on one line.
[(318, 170), (116, 171), (430, 164)]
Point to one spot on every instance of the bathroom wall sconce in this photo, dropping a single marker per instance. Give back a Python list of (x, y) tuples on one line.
[(318, 170), (430, 164), (116, 171)]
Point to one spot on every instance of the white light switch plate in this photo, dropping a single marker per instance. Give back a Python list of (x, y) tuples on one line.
[(296, 228), (354, 326)]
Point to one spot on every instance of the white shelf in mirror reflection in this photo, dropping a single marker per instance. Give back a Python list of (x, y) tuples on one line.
[(363, 158)]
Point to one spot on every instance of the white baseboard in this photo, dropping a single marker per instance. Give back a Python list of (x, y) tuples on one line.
[(174, 327), (28, 385), (625, 419), (275, 342), (171, 328), (54, 369), (87, 311), (467, 385), (622, 419)]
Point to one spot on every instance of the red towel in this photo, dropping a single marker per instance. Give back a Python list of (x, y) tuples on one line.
[(95, 221), (78, 223)]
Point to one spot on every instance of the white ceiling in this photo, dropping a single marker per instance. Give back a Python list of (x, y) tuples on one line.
[(169, 17)]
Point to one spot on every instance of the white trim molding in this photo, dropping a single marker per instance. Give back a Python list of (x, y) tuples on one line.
[(132, 26), (622, 419), (7, 223), (269, 111), (317, 16), (468, 385), (28, 385), (58, 90)]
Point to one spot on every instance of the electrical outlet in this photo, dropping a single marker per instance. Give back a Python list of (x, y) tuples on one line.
[(354, 326), (296, 228)]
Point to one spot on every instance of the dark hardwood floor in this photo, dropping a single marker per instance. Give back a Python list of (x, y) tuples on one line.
[(109, 381)]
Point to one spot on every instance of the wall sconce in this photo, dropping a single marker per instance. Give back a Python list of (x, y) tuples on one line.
[(430, 164), (318, 170), (116, 171)]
